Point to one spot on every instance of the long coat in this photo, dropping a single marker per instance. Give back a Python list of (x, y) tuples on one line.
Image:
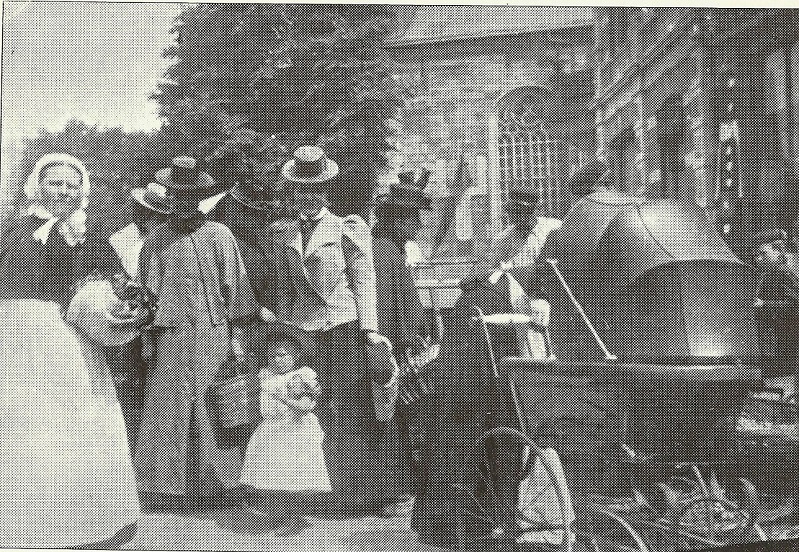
[(199, 284), (401, 318), (460, 411)]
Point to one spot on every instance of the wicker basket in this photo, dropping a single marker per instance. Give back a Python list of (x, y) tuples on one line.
[(233, 402)]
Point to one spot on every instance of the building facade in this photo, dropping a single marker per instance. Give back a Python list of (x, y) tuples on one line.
[(507, 90), (700, 105)]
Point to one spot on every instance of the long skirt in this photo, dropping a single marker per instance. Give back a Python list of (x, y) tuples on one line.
[(66, 476), (176, 453), (364, 458)]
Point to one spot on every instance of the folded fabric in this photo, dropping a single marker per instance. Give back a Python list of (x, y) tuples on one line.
[(91, 312)]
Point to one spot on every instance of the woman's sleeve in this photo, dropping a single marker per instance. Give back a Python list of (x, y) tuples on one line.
[(356, 243), (236, 288)]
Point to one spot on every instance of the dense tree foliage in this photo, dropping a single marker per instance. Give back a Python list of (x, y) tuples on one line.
[(257, 80)]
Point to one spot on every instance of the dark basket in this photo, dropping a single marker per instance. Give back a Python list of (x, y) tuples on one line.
[(233, 403)]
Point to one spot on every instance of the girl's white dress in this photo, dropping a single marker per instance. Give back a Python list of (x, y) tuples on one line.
[(66, 478), (285, 451)]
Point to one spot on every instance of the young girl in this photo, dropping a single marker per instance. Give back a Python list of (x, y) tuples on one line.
[(284, 466)]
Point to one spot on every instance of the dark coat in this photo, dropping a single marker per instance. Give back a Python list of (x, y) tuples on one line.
[(49, 271), (400, 313), (251, 228), (461, 410)]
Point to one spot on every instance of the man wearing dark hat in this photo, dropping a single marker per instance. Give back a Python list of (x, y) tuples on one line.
[(249, 209), (519, 244), (202, 297), (777, 305)]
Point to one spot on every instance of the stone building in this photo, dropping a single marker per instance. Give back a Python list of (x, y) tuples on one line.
[(508, 89), (700, 104)]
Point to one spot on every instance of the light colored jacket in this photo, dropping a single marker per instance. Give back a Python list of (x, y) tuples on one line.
[(332, 280)]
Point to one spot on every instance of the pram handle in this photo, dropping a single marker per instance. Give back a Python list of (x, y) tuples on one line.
[(608, 355)]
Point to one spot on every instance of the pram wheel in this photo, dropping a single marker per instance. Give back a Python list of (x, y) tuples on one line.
[(492, 516)]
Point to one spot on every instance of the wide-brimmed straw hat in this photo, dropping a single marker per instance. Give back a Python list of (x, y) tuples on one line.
[(184, 175), (154, 197), (310, 168)]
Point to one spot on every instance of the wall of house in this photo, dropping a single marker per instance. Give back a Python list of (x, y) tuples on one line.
[(453, 91)]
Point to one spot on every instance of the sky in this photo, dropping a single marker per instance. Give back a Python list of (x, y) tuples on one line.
[(97, 62)]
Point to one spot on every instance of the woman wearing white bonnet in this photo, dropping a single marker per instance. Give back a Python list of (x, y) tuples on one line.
[(67, 477)]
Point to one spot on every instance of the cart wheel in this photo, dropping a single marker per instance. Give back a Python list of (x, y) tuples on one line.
[(608, 531), (492, 516), (700, 522)]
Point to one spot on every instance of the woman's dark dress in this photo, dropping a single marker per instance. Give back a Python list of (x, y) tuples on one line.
[(459, 415)]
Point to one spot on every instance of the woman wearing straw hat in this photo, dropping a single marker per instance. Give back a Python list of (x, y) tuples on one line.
[(66, 477), (150, 207), (198, 284), (326, 285)]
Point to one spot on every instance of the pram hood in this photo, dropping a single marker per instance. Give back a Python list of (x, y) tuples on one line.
[(655, 278)]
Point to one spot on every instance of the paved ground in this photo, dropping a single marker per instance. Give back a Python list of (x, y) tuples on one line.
[(242, 530)]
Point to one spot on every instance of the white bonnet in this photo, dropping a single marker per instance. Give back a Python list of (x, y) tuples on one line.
[(32, 184)]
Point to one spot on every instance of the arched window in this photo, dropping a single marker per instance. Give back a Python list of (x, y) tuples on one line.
[(529, 156)]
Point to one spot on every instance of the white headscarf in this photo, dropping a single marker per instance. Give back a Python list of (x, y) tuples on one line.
[(73, 228)]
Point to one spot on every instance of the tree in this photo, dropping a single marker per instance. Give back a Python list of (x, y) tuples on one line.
[(254, 81)]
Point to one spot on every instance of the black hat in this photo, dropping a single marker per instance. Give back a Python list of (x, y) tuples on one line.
[(184, 175), (408, 193), (258, 189), (310, 168), (769, 236), (583, 182), (522, 198)]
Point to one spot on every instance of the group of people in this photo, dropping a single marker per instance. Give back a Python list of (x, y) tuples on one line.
[(285, 285), (294, 286)]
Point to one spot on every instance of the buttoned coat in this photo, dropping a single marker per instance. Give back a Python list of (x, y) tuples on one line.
[(331, 281)]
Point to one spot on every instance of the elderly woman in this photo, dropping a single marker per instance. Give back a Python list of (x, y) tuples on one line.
[(326, 285), (67, 479), (199, 286)]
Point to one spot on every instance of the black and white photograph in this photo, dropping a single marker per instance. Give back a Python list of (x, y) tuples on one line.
[(398, 277)]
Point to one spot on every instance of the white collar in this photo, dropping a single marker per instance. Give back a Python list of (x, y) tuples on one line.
[(73, 229)]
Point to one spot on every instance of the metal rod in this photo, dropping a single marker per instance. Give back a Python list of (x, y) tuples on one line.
[(608, 355)]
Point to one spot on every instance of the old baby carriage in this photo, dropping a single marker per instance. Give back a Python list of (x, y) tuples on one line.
[(652, 357)]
